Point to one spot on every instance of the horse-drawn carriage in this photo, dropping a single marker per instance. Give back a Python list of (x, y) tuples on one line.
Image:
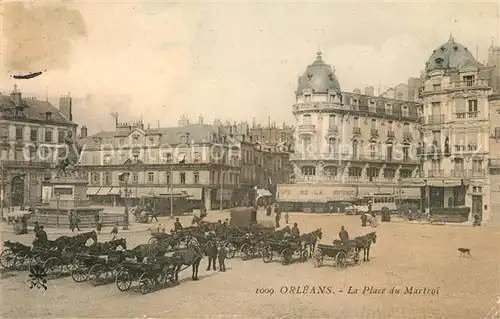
[(286, 248), (147, 274), (15, 255), (338, 252)]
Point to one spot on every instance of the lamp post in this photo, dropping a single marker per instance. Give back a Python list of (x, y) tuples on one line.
[(124, 177), (58, 198), (221, 186), (2, 190), (171, 190), (22, 175)]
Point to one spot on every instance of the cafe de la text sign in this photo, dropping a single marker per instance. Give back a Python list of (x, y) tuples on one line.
[(314, 193)]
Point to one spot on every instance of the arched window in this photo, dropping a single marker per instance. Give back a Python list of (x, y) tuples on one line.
[(308, 170), (332, 121), (355, 146), (306, 144), (332, 145)]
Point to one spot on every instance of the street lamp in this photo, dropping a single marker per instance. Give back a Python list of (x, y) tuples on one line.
[(124, 178), (58, 198), (2, 190), (21, 175)]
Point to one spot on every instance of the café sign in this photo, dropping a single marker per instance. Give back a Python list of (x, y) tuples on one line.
[(314, 193)]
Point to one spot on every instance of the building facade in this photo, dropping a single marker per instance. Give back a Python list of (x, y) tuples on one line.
[(32, 134), (456, 130), (494, 161), (192, 158), (348, 145)]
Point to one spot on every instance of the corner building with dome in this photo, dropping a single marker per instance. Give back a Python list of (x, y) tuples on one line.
[(349, 146)]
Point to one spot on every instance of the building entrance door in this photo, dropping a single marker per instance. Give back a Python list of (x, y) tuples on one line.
[(477, 206), (17, 191)]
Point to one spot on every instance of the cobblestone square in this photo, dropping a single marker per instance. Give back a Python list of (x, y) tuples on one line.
[(405, 255)]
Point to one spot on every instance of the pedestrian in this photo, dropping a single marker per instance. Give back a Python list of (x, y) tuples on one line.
[(96, 218), (76, 221), (287, 218), (41, 238), (212, 255), (177, 225), (154, 215), (277, 219), (269, 210), (222, 257), (114, 231), (364, 219), (99, 226), (70, 219), (295, 232), (36, 227)]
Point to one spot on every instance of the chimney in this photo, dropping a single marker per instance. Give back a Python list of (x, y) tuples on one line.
[(357, 91), (200, 119), (16, 96), (369, 90), (83, 132), (66, 106)]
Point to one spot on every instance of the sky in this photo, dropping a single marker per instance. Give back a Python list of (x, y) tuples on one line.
[(233, 61)]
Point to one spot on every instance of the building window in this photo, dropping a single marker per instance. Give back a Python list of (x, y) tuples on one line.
[(332, 145), (107, 159), (34, 134), (406, 128), (355, 171), (306, 145), (477, 166), (330, 171), (469, 80), (168, 157), (121, 141), (196, 157), (373, 124), (355, 122), (60, 136), (135, 177), (355, 145), (196, 177), (332, 121), (373, 151), (108, 178), (19, 132), (48, 136), (135, 139), (389, 173), (151, 177), (405, 173), (472, 108), (308, 170), (306, 119), (183, 178), (372, 172)]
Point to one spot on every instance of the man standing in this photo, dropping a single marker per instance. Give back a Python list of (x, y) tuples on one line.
[(295, 232), (343, 235), (212, 255), (177, 225), (70, 219), (222, 257), (364, 219), (76, 221)]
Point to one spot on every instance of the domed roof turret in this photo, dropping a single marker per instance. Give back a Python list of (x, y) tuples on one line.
[(319, 77), (451, 55)]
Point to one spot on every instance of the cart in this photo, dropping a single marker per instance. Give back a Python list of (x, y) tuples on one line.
[(285, 248), (15, 255), (338, 252)]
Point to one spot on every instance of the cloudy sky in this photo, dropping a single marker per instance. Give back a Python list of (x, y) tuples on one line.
[(228, 60)]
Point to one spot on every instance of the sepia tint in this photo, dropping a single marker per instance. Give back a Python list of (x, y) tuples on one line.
[(249, 159)]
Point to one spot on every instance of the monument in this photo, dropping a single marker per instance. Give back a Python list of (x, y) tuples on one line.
[(68, 192)]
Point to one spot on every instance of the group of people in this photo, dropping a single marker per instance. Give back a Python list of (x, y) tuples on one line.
[(278, 211)]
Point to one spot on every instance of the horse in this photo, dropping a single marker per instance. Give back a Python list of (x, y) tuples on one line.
[(142, 251), (75, 241), (364, 243), (190, 257), (104, 248), (311, 239)]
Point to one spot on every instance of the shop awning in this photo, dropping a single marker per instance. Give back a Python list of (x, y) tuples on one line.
[(263, 192), (104, 191), (446, 183), (115, 191), (410, 193), (92, 190), (193, 193)]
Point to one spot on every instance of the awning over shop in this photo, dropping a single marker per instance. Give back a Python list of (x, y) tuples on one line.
[(194, 193), (103, 191), (115, 191), (263, 192), (92, 191), (446, 183), (315, 193), (410, 193), (363, 191)]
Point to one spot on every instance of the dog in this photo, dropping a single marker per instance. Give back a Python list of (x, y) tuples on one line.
[(464, 252)]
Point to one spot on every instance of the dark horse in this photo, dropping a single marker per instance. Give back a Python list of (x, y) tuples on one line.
[(142, 251), (187, 257), (77, 241), (364, 243), (104, 248), (309, 240)]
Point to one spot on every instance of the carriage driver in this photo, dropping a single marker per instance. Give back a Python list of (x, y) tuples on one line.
[(295, 232), (344, 236), (177, 225)]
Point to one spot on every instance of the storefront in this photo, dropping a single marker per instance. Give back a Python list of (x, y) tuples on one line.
[(313, 198)]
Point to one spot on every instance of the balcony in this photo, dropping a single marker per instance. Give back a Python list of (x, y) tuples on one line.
[(356, 130), (374, 132), (431, 151), (307, 128), (390, 133), (407, 136), (435, 119), (333, 130), (494, 162), (27, 164), (467, 173), (435, 173), (476, 83)]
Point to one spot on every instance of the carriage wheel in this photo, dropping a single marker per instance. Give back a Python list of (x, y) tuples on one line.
[(21, 260), (340, 259), (123, 280), (304, 254), (267, 254), (231, 251), (356, 258), (35, 260), (98, 275), (8, 259), (318, 258), (286, 256), (244, 252), (54, 267), (153, 241), (146, 284), (79, 272)]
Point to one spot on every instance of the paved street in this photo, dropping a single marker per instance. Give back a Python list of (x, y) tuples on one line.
[(405, 255)]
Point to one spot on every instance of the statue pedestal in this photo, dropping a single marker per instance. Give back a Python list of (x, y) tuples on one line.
[(68, 194)]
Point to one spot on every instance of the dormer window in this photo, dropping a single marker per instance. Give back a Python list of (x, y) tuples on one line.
[(443, 49), (439, 60), (48, 116), (151, 140), (455, 48)]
